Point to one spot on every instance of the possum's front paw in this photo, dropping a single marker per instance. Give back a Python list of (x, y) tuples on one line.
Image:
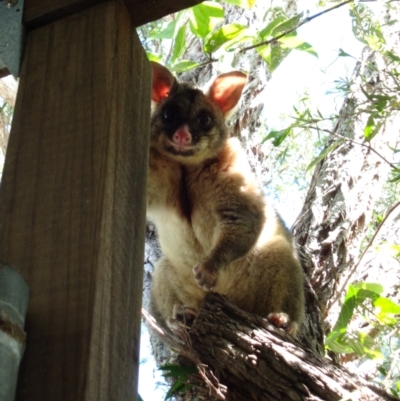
[(282, 321), (204, 278)]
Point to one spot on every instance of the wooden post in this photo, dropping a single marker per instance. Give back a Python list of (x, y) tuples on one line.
[(72, 204)]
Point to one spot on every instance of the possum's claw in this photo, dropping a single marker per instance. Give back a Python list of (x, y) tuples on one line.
[(282, 321), (204, 278)]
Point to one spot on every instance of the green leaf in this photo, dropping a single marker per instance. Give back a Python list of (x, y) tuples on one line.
[(175, 388), (179, 45), (287, 25), (323, 154), (154, 57), (204, 17), (273, 55), (166, 31), (278, 136), (342, 53), (227, 35), (356, 346), (394, 57), (346, 314), (184, 65), (249, 4), (365, 26), (294, 42), (395, 175), (139, 397), (386, 306), (362, 285), (372, 127), (177, 371), (338, 347), (268, 30)]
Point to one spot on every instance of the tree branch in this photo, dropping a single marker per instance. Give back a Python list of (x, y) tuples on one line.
[(305, 20), (259, 362), (366, 145)]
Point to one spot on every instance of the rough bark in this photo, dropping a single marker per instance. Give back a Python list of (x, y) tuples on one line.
[(255, 361)]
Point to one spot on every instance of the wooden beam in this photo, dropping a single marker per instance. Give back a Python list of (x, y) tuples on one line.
[(72, 205), (41, 12)]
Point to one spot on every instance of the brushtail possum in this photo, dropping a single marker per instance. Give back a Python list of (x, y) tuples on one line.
[(215, 229)]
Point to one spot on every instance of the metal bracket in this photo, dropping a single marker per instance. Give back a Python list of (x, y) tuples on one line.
[(12, 35)]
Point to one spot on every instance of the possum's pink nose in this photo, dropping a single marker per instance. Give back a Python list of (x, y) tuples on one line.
[(182, 137)]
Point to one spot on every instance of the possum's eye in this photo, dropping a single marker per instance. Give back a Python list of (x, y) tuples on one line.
[(206, 120), (169, 114)]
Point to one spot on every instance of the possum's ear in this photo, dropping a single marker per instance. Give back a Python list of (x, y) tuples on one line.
[(163, 81), (227, 89)]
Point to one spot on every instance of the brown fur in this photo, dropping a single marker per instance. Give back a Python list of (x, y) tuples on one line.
[(215, 229)]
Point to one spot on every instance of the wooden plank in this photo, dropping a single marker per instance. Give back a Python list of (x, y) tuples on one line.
[(40, 12), (72, 205)]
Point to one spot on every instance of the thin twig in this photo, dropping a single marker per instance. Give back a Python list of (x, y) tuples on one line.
[(305, 20), (181, 344), (368, 146)]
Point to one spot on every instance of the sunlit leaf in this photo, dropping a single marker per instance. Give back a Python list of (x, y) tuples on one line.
[(294, 42), (338, 347), (362, 285), (346, 313), (324, 153), (268, 30), (372, 127), (166, 31), (356, 346), (365, 26), (183, 65), (242, 3), (278, 136), (386, 306), (287, 25), (204, 18), (154, 57), (179, 44), (227, 35), (273, 55)]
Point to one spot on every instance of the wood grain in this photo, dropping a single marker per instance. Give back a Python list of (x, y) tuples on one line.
[(72, 205), (41, 12)]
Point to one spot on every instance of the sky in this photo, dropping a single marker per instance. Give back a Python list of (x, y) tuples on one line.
[(326, 34)]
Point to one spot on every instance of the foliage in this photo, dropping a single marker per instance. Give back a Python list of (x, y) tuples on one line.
[(180, 376), (382, 319), (376, 102), (273, 42)]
